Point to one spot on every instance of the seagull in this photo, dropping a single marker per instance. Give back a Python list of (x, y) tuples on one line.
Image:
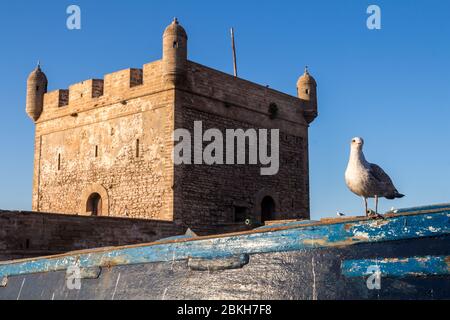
[(340, 214), (366, 179)]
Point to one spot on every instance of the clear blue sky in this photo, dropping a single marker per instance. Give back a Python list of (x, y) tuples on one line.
[(391, 86)]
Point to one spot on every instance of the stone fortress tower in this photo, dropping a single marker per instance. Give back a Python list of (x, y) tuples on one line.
[(104, 147)]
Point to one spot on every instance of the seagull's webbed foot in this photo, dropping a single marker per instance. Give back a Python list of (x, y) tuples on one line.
[(374, 215)]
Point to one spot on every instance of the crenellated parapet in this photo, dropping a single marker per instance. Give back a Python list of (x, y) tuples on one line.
[(115, 87), (173, 71), (56, 99), (86, 90)]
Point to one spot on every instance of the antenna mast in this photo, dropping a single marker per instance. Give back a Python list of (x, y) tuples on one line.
[(233, 45)]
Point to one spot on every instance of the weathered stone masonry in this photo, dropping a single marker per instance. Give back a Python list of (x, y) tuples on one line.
[(104, 147), (30, 234)]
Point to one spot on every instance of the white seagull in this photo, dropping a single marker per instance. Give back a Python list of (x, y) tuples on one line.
[(366, 179)]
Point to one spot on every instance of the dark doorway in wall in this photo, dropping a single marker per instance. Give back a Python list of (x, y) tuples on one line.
[(94, 204), (267, 209)]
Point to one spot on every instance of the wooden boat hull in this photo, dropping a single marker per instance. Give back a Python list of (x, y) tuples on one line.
[(405, 256)]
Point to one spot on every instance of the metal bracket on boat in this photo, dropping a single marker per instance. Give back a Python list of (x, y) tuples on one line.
[(3, 282), (89, 273), (218, 264)]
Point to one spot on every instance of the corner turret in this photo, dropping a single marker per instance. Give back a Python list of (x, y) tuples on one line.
[(36, 88), (307, 92), (175, 53)]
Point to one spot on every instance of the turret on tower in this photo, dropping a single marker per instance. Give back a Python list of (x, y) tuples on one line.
[(175, 53), (36, 88), (307, 92)]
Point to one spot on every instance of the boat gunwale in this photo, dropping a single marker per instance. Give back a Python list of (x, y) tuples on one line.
[(329, 221)]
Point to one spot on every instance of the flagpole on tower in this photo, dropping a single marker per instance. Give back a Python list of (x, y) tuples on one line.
[(233, 44)]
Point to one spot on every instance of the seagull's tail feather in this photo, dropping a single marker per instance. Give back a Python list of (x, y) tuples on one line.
[(395, 195)]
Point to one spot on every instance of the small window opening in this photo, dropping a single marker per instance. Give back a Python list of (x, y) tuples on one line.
[(175, 44), (240, 214), (137, 148), (37, 88), (307, 91), (27, 244), (59, 162), (96, 151)]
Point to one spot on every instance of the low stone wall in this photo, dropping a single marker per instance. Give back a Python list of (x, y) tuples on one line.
[(35, 234), (31, 234)]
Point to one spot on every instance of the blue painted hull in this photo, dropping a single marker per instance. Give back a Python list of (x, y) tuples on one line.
[(405, 256)]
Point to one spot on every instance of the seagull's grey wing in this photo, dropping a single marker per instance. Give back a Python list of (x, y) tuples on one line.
[(385, 184), (379, 175)]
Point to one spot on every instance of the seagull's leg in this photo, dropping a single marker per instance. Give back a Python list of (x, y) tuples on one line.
[(376, 205), (365, 205), (377, 215)]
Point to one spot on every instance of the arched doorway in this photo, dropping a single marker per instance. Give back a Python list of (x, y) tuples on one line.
[(94, 200), (267, 209), (94, 205)]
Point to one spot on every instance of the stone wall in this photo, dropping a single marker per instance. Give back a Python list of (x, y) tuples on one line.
[(209, 194), (33, 234), (28, 234), (114, 138)]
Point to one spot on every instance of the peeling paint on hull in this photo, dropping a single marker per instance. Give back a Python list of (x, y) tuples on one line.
[(399, 267)]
